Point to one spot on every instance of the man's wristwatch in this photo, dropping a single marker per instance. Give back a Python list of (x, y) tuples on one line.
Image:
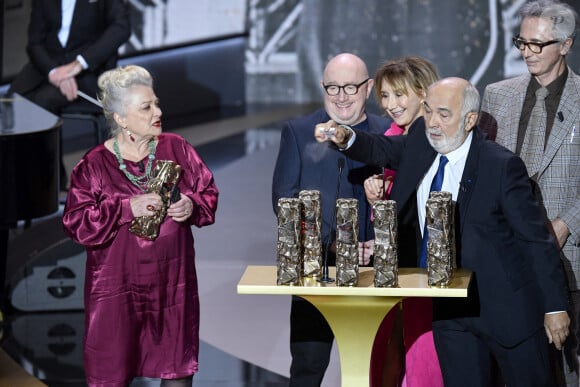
[(347, 136)]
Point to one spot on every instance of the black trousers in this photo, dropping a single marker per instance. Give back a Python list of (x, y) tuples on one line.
[(310, 344), (310, 339), (467, 358)]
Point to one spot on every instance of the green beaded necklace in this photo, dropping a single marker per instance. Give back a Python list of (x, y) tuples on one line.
[(139, 181)]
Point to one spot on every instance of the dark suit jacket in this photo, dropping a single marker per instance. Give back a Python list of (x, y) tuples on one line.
[(97, 31), (500, 231), (304, 164)]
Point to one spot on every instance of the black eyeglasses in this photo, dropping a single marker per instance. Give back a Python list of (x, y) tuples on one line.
[(334, 90), (535, 47)]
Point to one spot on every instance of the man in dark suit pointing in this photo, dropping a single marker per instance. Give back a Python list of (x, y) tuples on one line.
[(517, 301)]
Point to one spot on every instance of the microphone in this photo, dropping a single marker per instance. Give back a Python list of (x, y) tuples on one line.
[(325, 277), (141, 166), (340, 166), (560, 117)]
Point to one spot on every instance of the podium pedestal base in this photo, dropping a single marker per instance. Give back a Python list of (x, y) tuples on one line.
[(354, 320)]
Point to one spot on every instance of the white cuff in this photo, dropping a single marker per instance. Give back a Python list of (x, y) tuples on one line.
[(83, 62), (351, 139)]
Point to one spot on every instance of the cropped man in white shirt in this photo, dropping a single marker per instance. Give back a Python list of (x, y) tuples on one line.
[(70, 43)]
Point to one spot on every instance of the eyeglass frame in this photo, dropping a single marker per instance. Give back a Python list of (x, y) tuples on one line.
[(521, 44), (343, 88)]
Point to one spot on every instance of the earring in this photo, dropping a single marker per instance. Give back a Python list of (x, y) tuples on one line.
[(130, 136)]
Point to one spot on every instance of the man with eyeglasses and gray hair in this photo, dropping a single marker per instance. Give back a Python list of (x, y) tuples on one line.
[(304, 164), (537, 116)]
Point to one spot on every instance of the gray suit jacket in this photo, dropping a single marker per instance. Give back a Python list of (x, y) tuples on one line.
[(559, 175)]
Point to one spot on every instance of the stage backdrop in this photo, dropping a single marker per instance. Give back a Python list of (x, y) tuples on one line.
[(155, 24), (290, 41)]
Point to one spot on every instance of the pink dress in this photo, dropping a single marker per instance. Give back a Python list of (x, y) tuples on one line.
[(421, 362), (141, 298)]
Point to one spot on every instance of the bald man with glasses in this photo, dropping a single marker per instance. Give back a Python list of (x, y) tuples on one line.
[(537, 116), (304, 164)]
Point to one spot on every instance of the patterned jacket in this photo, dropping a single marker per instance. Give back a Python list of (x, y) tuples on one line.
[(559, 175)]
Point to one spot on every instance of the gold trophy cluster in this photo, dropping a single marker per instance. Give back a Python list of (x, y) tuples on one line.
[(300, 243), (299, 238)]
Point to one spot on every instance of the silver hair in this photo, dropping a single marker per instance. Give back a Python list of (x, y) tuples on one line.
[(564, 18), (115, 87), (470, 103)]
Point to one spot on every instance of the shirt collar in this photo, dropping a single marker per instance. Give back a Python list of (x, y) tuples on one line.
[(555, 88)]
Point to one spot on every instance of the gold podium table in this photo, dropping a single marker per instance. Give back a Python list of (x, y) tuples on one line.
[(354, 313)]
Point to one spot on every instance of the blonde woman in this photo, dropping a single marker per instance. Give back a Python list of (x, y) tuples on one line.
[(400, 87)]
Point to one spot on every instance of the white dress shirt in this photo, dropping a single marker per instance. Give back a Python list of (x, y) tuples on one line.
[(451, 178), (68, 9)]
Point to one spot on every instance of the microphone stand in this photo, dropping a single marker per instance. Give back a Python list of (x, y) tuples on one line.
[(383, 193), (325, 277)]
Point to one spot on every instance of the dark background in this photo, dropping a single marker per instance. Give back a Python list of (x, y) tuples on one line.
[(287, 42)]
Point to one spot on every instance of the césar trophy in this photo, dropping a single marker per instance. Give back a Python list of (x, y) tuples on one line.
[(385, 250), (311, 233), (441, 238), (347, 242), (289, 262), (164, 179)]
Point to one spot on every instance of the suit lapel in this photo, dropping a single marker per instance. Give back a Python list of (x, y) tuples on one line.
[(419, 169), (514, 104), (57, 9), (78, 15), (569, 103), (469, 178), (424, 154)]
